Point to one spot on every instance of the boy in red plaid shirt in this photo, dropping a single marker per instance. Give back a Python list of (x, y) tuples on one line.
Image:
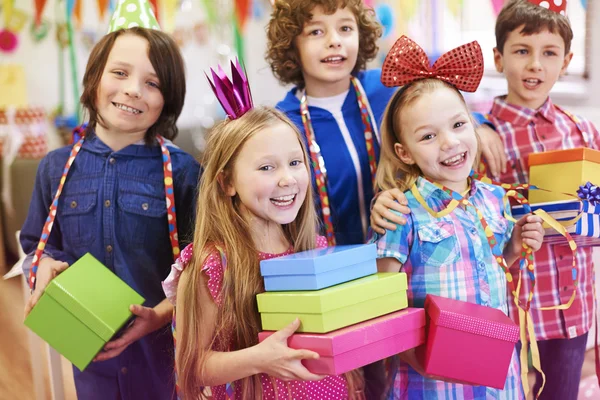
[(533, 50)]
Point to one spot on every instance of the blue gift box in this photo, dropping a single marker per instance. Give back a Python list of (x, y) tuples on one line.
[(585, 231), (319, 268)]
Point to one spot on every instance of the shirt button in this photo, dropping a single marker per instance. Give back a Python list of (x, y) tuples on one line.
[(145, 206), (109, 248), (123, 370), (107, 203), (112, 161), (73, 204)]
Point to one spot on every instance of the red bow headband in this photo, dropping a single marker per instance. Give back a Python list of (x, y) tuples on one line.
[(558, 6), (407, 62)]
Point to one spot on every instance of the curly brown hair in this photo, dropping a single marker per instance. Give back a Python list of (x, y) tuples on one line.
[(287, 21)]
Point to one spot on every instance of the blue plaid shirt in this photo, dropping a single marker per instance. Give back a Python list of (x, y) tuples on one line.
[(451, 257)]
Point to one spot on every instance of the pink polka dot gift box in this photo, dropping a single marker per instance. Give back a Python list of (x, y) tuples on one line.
[(467, 342)]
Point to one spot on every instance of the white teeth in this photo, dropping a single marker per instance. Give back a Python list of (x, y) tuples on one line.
[(454, 160), (532, 81), (333, 59), (283, 200), (128, 109)]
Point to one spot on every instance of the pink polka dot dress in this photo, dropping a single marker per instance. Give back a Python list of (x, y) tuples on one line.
[(330, 388)]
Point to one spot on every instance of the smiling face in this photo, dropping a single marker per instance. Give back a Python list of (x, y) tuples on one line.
[(437, 135), (270, 177), (328, 49), (532, 64), (129, 100)]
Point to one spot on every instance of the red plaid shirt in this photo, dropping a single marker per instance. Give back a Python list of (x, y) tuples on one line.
[(525, 131)]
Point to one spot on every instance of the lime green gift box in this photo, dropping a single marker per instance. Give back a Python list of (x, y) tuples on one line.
[(325, 310), (82, 309)]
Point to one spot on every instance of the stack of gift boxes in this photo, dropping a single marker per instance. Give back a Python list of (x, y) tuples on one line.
[(352, 316), (570, 180)]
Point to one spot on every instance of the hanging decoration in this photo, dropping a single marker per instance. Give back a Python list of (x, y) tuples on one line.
[(241, 13), (385, 14), (39, 31), (155, 8), (102, 7), (211, 11), (497, 6), (455, 7), (8, 41), (78, 12), (15, 20), (169, 10), (584, 4), (39, 9), (404, 11)]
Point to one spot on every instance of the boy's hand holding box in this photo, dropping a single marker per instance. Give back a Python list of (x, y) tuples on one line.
[(82, 309)]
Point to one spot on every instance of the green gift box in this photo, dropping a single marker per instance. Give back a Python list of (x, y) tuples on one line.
[(82, 309)]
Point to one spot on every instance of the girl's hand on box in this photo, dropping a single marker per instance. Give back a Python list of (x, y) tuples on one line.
[(48, 269), (381, 216), (147, 320), (282, 362)]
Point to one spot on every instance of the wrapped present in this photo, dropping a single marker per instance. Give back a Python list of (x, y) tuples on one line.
[(319, 268), (589, 223), (23, 133), (561, 171), (335, 307), (82, 309), (580, 219), (467, 342), (361, 344)]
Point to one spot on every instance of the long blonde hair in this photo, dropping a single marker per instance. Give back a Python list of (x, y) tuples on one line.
[(391, 171), (219, 221)]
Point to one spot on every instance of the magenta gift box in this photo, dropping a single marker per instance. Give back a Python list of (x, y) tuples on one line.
[(467, 342), (358, 345)]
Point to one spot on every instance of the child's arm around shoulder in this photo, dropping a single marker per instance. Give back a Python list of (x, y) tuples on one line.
[(272, 357)]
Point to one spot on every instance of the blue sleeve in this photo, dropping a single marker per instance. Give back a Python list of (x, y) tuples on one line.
[(186, 195), (36, 217), (396, 244), (482, 120)]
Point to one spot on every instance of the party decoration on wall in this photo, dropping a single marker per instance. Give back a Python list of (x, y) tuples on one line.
[(78, 12), (102, 7), (455, 7), (39, 9), (211, 11), (497, 6), (584, 4), (169, 8), (62, 35), (130, 13), (39, 31), (88, 38), (8, 41), (385, 14), (403, 12), (241, 13), (15, 21)]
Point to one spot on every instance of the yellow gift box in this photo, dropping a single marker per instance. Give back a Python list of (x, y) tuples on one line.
[(562, 171), (322, 311)]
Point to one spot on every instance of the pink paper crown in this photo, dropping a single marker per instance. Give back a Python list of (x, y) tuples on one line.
[(234, 95), (558, 6)]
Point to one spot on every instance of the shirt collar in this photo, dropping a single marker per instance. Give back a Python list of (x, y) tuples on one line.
[(522, 116)]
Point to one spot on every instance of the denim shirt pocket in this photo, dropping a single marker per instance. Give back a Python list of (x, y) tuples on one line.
[(438, 243), (142, 218), (75, 215)]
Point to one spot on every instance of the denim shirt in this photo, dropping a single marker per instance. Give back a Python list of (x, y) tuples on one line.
[(113, 206)]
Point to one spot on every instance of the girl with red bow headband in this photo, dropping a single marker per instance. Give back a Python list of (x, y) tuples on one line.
[(457, 227)]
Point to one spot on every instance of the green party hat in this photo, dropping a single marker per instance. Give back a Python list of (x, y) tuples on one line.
[(130, 13)]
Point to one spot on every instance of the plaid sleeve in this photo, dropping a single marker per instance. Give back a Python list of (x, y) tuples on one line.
[(396, 243), (510, 225)]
